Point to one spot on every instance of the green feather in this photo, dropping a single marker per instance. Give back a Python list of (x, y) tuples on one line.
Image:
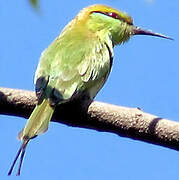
[(77, 62), (38, 121)]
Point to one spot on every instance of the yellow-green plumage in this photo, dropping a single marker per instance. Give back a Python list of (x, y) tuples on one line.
[(76, 64), (42, 113)]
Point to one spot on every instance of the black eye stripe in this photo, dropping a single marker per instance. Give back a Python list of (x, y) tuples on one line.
[(113, 15)]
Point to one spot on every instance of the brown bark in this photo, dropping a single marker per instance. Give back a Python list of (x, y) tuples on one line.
[(124, 121)]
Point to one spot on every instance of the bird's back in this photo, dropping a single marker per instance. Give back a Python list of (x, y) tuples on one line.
[(78, 60)]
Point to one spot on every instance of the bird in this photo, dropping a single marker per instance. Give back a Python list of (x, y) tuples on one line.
[(76, 65)]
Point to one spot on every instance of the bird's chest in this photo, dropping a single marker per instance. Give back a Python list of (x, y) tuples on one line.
[(99, 65), (101, 70)]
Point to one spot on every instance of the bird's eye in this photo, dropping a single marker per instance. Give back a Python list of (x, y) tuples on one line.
[(112, 14), (126, 19)]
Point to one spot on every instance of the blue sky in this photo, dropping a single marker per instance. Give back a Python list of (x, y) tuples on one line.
[(145, 74)]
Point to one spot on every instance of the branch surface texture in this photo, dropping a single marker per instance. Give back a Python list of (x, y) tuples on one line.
[(123, 121)]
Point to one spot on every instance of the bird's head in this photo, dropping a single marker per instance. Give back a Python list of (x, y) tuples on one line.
[(106, 20)]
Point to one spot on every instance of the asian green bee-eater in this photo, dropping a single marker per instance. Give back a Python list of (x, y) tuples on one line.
[(76, 64)]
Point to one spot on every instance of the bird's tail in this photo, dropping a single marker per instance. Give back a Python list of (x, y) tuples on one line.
[(38, 121), (37, 124)]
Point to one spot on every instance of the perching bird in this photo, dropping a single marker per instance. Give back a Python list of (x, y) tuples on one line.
[(76, 64)]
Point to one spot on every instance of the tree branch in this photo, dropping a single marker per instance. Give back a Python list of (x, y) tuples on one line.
[(123, 121)]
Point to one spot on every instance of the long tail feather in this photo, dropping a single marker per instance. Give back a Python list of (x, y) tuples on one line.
[(21, 152), (38, 123)]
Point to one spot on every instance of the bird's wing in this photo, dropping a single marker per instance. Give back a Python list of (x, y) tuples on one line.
[(68, 68)]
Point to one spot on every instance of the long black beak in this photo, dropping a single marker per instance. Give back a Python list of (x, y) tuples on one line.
[(139, 31)]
